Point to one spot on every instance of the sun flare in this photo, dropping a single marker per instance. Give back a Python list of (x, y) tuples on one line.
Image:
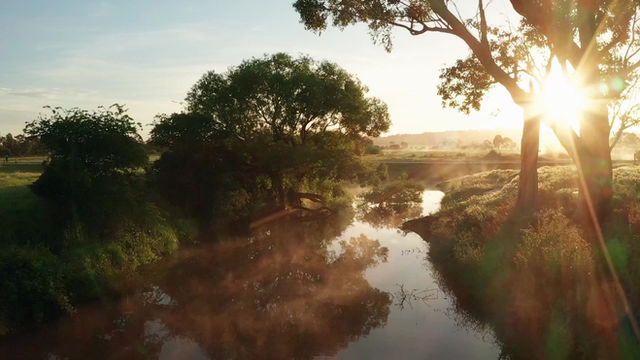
[(561, 99)]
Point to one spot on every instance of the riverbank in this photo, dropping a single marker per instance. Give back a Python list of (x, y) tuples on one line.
[(42, 278), (539, 284), (337, 286)]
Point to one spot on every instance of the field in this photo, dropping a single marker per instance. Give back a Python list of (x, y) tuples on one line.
[(410, 155), (19, 207)]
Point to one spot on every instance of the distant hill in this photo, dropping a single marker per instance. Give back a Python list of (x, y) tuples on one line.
[(448, 139)]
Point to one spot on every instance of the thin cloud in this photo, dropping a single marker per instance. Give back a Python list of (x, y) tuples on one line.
[(42, 93)]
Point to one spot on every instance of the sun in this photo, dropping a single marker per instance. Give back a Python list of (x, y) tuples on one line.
[(561, 99)]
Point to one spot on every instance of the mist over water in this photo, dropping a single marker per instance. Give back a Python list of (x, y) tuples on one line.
[(340, 288)]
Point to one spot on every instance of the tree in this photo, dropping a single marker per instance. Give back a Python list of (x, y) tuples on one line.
[(625, 111), (497, 141), (497, 57), (599, 40), (94, 164), (288, 99), (594, 37), (627, 140), (202, 171), (507, 143), (10, 145), (311, 116), (500, 142), (19, 145)]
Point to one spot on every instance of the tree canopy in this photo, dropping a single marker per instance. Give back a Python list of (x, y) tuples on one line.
[(597, 39), (287, 98), (93, 175), (270, 132), (103, 141)]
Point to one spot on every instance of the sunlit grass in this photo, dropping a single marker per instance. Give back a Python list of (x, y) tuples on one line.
[(548, 270)]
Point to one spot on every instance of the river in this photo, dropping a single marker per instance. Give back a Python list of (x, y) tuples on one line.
[(344, 288)]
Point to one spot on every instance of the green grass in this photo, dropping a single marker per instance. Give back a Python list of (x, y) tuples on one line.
[(22, 165), (21, 211), (40, 279), (461, 155), (532, 279)]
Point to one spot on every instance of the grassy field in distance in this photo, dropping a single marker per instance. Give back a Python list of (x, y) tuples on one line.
[(459, 155)]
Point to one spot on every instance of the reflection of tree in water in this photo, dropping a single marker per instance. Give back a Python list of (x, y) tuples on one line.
[(390, 205), (281, 294), (466, 312), (407, 297), (388, 215)]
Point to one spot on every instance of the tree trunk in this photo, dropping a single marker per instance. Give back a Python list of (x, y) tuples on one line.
[(595, 165), (277, 186), (528, 182)]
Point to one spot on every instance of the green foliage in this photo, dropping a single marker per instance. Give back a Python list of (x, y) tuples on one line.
[(102, 142), (390, 204), (20, 145), (92, 223), (464, 85), (544, 270), (400, 191), (463, 191), (372, 149), (93, 173), (468, 249), (33, 287), (556, 243), (311, 117), (288, 98)]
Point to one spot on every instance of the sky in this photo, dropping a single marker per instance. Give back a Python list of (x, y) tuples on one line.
[(147, 55)]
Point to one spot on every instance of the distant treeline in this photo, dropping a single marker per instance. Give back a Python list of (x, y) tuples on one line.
[(498, 143), (20, 145)]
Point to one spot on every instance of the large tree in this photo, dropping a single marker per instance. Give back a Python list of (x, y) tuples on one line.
[(596, 37), (295, 122)]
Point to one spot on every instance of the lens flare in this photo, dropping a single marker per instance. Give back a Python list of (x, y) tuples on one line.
[(561, 98)]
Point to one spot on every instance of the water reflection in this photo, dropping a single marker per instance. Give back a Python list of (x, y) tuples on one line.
[(423, 322), (278, 295), (388, 215), (294, 290)]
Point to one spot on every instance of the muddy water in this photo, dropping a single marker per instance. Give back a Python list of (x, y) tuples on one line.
[(340, 288)]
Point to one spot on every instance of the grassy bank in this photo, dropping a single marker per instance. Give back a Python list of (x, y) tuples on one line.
[(40, 279), (540, 284)]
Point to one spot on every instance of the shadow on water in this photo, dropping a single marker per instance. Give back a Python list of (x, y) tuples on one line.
[(279, 294), (332, 287)]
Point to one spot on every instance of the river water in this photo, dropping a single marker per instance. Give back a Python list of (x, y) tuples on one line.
[(346, 288)]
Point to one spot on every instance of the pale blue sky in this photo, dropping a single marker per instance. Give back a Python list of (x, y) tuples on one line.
[(147, 54)]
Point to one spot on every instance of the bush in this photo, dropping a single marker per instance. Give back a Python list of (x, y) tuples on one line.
[(33, 288), (93, 176), (556, 244), (95, 222), (372, 149)]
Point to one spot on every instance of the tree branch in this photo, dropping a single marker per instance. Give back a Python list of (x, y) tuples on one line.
[(482, 52), (483, 24)]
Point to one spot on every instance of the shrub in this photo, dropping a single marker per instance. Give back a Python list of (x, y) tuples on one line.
[(33, 287), (555, 243)]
